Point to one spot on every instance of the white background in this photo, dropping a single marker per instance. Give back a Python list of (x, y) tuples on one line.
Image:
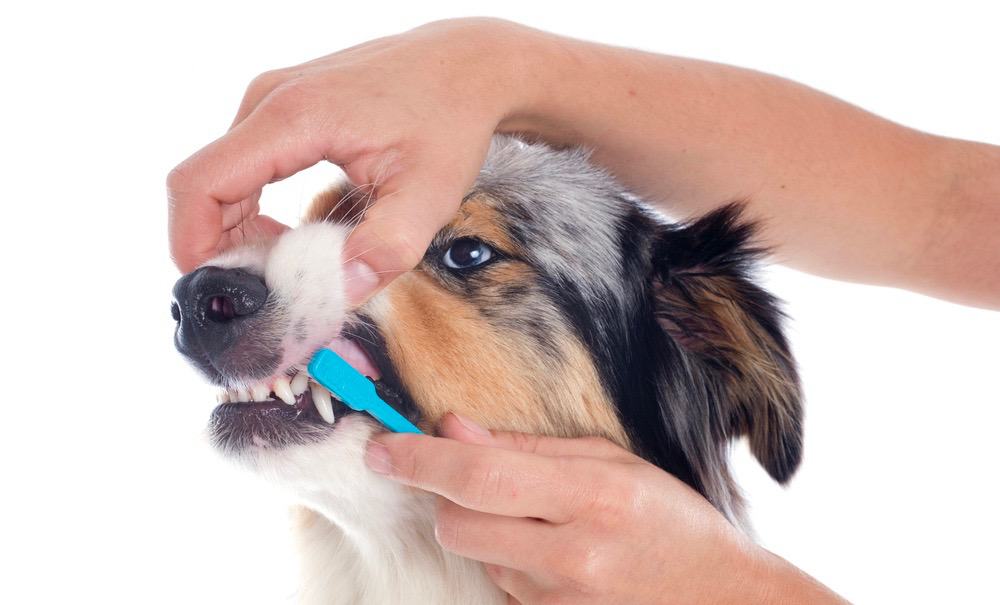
[(108, 491)]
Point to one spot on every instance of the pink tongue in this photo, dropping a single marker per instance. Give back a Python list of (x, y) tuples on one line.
[(354, 355)]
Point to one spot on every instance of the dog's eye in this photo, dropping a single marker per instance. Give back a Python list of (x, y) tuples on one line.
[(175, 311), (466, 253)]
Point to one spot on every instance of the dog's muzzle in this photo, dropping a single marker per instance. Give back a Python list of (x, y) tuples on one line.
[(214, 309)]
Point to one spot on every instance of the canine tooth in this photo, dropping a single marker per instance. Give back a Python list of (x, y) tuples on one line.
[(323, 402), (300, 383), (259, 392), (284, 391), (222, 396), (242, 394)]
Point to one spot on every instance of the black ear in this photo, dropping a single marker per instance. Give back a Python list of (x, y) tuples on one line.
[(729, 328)]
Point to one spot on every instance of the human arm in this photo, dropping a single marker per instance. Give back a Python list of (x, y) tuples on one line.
[(843, 193)]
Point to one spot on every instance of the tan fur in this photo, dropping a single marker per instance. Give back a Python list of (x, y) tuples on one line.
[(478, 218), (450, 358)]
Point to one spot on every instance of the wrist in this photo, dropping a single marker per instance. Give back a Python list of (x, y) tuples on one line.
[(545, 71), (769, 579)]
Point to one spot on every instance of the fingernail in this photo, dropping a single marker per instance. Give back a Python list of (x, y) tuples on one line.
[(378, 459), (472, 426), (359, 281)]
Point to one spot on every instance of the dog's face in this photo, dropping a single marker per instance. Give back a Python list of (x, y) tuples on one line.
[(552, 303)]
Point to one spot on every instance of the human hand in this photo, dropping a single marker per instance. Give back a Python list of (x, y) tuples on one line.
[(583, 521), (411, 115)]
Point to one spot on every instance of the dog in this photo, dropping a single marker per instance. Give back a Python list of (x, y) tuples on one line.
[(555, 302)]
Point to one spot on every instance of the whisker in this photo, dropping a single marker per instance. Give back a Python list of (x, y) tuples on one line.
[(360, 254), (243, 229), (415, 270), (343, 199), (394, 467)]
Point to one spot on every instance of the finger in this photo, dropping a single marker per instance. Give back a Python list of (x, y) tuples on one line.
[(420, 194), (257, 91), (496, 573), (518, 585), (262, 228), (464, 429), (508, 541), (488, 479), (265, 147), (245, 210)]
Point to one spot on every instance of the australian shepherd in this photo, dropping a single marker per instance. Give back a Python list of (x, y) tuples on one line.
[(554, 302)]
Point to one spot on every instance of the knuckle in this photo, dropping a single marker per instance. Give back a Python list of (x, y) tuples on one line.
[(482, 483), (638, 485), (290, 103), (581, 567), (266, 81), (292, 92), (628, 497), (610, 498), (178, 179)]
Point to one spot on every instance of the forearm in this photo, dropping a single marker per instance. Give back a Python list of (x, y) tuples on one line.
[(842, 193)]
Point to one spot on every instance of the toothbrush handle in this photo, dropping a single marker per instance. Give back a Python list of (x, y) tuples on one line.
[(392, 419)]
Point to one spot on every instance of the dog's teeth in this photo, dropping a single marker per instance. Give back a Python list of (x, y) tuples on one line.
[(323, 402), (300, 383), (259, 392), (242, 395), (222, 396), (284, 391)]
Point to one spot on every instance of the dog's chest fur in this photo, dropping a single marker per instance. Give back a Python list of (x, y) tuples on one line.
[(365, 539), (383, 566)]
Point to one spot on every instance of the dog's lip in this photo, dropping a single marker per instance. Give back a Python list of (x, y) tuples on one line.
[(299, 405), (272, 423), (288, 403), (303, 409)]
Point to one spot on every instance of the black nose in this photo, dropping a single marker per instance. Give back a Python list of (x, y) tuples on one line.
[(212, 307)]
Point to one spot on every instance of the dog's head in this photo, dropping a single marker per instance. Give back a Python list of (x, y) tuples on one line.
[(553, 303)]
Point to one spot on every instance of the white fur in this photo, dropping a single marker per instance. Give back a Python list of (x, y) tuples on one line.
[(375, 542), (305, 276)]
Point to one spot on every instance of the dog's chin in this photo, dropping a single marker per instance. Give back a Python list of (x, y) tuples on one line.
[(236, 428)]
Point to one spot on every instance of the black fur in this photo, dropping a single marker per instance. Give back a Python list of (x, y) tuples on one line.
[(674, 397)]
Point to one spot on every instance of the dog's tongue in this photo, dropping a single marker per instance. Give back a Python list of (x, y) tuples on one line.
[(354, 355)]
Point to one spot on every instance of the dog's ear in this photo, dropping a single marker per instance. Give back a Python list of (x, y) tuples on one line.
[(730, 328)]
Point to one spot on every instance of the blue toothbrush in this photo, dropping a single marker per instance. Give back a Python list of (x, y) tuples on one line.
[(356, 390)]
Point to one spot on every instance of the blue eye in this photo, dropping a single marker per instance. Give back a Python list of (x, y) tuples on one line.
[(466, 253)]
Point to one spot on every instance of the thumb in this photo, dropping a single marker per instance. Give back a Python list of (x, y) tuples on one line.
[(411, 206)]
